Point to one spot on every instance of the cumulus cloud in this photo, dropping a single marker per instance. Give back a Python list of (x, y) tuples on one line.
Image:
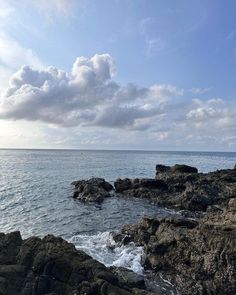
[(87, 96), (207, 123), (210, 109), (12, 56)]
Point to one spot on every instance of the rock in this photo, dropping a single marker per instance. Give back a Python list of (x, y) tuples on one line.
[(182, 187), (128, 277), (198, 256), (53, 266), (162, 168), (92, 190), (183, 169), (140, 188)]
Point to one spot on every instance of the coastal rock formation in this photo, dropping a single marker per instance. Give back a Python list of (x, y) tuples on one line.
[(182, 187), (140, 188), (53, 266), (92, 190), (198, 256), (178, 168)]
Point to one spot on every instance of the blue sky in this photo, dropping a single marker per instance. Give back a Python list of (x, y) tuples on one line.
[(157, 74)]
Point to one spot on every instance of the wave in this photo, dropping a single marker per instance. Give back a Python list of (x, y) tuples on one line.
[(103, 248)]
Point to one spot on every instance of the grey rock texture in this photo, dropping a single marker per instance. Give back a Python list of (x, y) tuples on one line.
[(182, 187), (53, 266), (198, 256), (92, 190)]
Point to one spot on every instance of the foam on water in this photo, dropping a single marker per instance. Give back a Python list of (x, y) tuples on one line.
[(103, 248)]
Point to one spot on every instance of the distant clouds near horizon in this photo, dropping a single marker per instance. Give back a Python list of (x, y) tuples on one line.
[(89, 104)]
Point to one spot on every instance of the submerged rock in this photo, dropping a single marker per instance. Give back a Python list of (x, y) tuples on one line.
[(198, 256), (92, 190), (53, 266)]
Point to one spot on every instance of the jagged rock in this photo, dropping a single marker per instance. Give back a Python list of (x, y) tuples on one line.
[(140, 188), (198, 256), (182, 187), (128, 277), (178, 168), (53, 266), (92, 190)]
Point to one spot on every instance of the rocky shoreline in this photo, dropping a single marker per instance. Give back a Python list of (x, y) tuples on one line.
[(53, 266), (198, 255), (194, 250), (178, 187)]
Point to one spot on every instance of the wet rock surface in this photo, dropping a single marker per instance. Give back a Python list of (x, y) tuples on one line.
[(92, 190), (196, 250), (182, 187), (177, 187), (198, 256), (53, 266)]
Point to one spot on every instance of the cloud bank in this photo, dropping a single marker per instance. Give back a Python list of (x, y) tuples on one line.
[(87, 96)]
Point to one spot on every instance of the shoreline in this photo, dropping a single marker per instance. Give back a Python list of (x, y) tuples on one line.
[(185, 250)]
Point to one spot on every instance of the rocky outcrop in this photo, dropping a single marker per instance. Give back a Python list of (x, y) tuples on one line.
[(178, 187), (92, 190), (140, 188), (182, 187), (199, 256), (178, 168), (53, 266)]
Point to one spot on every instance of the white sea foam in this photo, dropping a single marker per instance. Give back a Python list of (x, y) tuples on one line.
[(103, 248)]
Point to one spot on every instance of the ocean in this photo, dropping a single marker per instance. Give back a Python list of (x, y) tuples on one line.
[(36, 194)]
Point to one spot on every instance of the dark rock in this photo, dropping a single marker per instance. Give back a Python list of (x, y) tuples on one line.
[(183, 169), (53, 266), (128, 277), (140, 188), (92, 190), (182, 187), (178, 168), (198, 256), (162, 168)]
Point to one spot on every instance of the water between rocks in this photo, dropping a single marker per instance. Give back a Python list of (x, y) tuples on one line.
[(35, 194)]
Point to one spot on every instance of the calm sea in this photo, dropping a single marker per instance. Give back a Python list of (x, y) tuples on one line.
[(35, 191), (35, 188)]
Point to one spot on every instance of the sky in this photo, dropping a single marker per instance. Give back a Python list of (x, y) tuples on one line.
[(118, 74)]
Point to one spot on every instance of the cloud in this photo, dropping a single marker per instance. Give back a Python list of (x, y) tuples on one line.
[(198, 91), (86, 97), (88, 101), (208, 123), (154, 42), (208, 112), (154, 46), (12, 56), (5, 11), (54, 7)]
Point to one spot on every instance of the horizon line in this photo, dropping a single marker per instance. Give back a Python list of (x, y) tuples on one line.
[(118, 150)]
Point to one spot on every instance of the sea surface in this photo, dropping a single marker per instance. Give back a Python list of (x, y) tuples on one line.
[(35, 195)]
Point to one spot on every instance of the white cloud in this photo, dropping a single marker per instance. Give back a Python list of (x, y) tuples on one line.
[(5, 11), (154, 46), (208, 123), (53, 7), (198, 91), (101, 112), (87, 97), (12, 56)]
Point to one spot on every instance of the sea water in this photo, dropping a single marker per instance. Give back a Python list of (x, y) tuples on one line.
[(36, 195)]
